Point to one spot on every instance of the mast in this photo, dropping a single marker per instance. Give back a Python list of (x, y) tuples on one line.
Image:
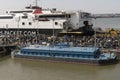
[(36, 2), (53, 33), (95, 35)]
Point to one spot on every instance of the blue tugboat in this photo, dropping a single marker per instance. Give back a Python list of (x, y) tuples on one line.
[(63, 52)]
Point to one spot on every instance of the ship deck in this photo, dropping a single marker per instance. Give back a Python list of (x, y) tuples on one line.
[(61, 48)]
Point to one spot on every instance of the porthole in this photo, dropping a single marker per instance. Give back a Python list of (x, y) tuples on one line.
[(56, 23), (23, 23), (30, 23)]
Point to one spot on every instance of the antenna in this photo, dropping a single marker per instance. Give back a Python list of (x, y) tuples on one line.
[(53, 33), (36, 2), (95, 35)]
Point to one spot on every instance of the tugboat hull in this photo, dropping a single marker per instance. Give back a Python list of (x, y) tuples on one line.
[(81, 61)]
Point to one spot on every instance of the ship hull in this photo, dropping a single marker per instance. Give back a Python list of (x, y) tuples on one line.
[(69, 60), (64, 53), (42, 31), (110, 61), (29, 31)]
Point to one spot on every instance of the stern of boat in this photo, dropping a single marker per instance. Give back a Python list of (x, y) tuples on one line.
[(108, 58)]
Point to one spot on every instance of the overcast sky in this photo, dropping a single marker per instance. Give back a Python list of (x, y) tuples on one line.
[(92, 6)]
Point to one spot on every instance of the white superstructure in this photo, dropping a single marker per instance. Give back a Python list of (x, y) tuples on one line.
[(35, 18)]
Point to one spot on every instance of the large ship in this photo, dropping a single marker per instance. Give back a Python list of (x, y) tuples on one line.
[(35, 19)]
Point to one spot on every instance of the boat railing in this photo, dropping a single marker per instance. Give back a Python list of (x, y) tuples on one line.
[(107, 55), (62, 45)]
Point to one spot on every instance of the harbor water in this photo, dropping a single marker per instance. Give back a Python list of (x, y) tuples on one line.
[(45, 70), (106, 22)]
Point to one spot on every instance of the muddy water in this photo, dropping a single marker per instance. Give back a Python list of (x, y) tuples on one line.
[(44, 70)]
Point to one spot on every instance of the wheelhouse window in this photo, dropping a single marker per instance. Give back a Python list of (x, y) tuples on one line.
[(24, 17), (52, 16), (21, 11), (68, 16), (6, 17), (85, 15)]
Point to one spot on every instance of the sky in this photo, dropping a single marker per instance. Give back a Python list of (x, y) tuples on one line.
[(92, 6)]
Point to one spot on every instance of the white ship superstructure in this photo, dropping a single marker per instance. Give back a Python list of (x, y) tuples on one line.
[(34, 18)]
